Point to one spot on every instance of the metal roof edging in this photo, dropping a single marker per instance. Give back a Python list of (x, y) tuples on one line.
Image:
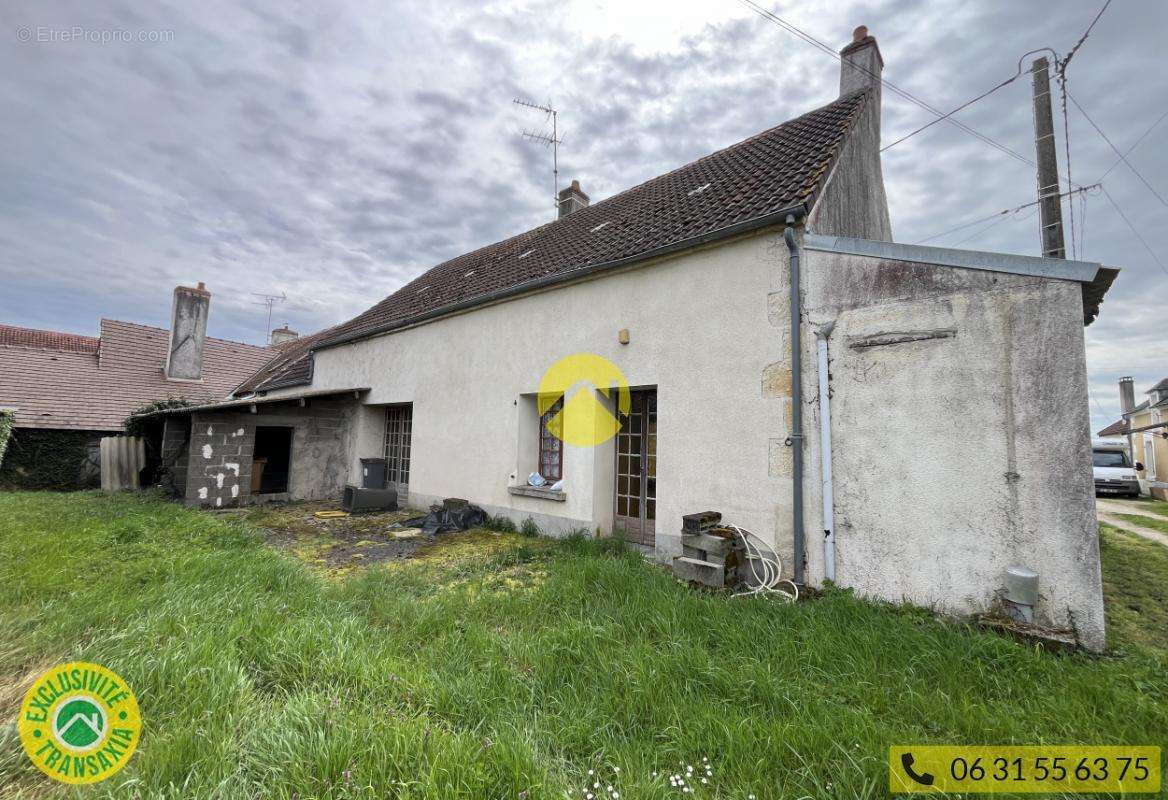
[(1081, 271), (773, 218), (254, 401)]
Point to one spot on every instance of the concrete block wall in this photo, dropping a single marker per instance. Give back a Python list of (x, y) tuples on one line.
[(221, 450), (222, 447)]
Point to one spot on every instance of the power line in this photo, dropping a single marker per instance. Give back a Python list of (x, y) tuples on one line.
[(1115, 149), (1143, 241), (1003, 213), (1083, 225), (998, 221), (1062, 72), (809, 39), (967, 104), (1083, 38), (1122, 159)]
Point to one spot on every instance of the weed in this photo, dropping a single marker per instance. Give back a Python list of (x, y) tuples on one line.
[(499, 666), (529, 528), (500, 524)]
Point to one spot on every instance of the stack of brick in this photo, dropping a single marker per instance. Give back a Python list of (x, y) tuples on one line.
[(711, 555)]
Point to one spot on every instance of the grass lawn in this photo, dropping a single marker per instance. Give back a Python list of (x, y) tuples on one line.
[(511, 667), (1153, 506), (1145, 522), (1135, 586)]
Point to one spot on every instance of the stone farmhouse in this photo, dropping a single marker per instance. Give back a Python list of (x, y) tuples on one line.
[(726, 292)]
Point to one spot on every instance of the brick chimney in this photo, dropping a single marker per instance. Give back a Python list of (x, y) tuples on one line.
[(285, 334), (188, 333), (572, 199), (1127, 394)]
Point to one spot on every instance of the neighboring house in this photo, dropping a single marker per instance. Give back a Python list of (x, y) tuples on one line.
[(89, 385), (961, 438), (1116, 430), (1146, 428)]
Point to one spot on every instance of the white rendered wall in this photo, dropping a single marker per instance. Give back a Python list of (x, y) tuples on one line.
[(705, 328), (957, 456)]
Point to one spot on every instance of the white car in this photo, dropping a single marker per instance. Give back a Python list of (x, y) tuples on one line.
[(1113, 468)]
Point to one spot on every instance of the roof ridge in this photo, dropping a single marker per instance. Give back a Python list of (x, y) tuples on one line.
[(590, 209), (708, 156), (167, 330), (742, 184), (45, 330), (70, 342)]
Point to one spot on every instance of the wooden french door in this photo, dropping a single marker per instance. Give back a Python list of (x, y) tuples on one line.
[(636, 470)]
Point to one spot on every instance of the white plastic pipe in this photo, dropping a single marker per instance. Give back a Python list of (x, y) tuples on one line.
[(825, 454)]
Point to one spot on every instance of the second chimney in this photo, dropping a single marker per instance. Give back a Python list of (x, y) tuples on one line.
[(188, 333), (572, 199), (1127, 395), (285, 334)]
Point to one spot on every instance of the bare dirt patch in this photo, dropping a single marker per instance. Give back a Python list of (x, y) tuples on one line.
[(339, 542)]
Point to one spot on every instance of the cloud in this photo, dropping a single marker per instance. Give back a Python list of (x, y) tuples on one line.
[(336, 153)]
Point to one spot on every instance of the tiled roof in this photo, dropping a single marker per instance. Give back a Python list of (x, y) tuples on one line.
[(1114, 429), (56, 386), (291, 367), (48, 340), (1162, 386), (767, 173)]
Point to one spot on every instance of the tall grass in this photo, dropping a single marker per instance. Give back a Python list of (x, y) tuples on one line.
[(506, 676)]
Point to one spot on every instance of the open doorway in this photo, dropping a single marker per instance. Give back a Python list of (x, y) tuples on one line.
[(271, 460)]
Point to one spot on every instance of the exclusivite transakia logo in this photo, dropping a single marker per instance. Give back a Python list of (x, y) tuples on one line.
[(79, 723)]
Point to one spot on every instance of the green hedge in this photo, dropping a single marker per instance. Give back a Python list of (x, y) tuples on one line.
[(45, 459)]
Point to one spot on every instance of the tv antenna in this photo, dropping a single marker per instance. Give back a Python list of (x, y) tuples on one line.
[(268, 300), (554, 141)]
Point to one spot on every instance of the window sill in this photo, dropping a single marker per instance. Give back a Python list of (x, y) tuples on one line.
[(542, 492)]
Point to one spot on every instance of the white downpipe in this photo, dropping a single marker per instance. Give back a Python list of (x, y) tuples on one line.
[(825, 454)]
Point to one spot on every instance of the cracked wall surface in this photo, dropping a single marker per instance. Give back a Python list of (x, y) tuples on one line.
[(961, 442)]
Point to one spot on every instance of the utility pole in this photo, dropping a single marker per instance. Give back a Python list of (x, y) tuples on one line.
[(554, 141), (1048, 179)]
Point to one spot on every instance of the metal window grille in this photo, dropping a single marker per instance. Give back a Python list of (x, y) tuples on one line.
[(551, 448), (398, 426)]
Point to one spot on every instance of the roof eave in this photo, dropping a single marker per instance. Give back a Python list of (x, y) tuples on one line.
[(1094, 278), (799, 211), (224, 405)]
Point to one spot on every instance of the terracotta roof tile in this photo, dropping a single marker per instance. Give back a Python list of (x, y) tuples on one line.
[(48, 340), (766, 173), (1114, 429), (96, 388)]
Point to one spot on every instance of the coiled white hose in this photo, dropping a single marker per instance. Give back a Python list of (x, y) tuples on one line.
[(771, 580)]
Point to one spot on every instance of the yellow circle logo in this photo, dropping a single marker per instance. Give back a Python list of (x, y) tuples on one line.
[(582, 419), (79, 723)]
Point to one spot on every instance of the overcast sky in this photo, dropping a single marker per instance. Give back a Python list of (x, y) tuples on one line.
[(334, 151)]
